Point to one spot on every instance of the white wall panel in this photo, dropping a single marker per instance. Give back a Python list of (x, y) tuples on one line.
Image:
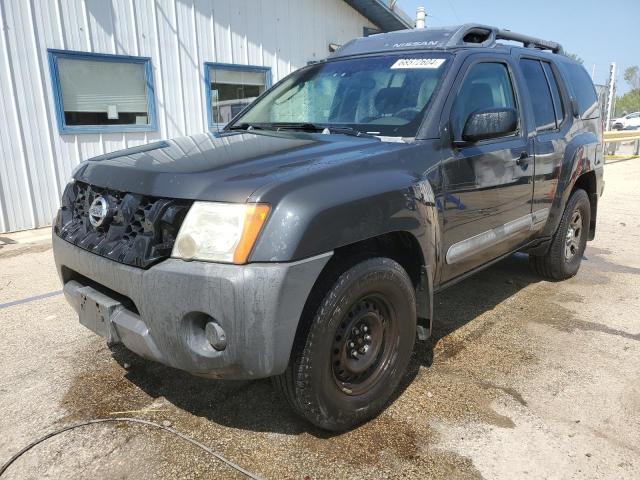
[(190, 66), (15, 190), (101, 27), (148, 46), (124, 24), (268, 40), (169, 68), (22, 43), (222, 31), (74, 24), (179, 36), (205, 41)]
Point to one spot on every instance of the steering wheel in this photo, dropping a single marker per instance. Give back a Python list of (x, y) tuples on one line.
[(370, 119), (408, 113)]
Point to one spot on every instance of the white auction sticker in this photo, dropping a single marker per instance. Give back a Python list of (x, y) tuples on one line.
[(418, 63)]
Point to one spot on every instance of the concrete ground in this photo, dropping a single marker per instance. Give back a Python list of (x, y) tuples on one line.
[(522, 379)]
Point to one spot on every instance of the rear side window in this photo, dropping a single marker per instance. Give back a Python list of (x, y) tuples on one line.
[(583, 89), (540, 94), (555, 92)]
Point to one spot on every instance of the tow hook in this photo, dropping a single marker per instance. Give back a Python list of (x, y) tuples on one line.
[(215, 336)]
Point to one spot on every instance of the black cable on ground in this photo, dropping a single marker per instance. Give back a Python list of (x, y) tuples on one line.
[(129, 420)]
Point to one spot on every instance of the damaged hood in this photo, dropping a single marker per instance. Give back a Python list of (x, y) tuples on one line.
[(228, 167)]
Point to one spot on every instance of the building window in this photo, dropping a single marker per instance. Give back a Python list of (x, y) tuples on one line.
[(230, 88), (97, 93)]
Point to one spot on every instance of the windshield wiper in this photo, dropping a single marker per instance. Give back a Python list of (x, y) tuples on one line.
[(248, 126), (313, 127)]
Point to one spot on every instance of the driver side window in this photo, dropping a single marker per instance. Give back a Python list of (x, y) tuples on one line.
[(487, 85)]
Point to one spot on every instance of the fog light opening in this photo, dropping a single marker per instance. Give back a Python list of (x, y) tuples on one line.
[(203, 335)]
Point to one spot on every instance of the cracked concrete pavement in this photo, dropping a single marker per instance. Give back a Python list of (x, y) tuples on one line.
[(522, 379)]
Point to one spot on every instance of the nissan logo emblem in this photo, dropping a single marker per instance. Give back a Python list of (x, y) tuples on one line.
[(98, 211)]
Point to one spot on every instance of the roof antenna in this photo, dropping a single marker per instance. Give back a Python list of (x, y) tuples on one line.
[(421, 15)]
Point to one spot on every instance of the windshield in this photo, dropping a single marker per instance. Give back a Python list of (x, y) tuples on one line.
[(383, 95)]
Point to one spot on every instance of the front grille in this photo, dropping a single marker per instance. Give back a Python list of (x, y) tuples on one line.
[(136, 230)]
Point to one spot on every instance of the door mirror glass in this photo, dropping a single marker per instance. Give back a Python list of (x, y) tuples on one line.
[(490, 123)]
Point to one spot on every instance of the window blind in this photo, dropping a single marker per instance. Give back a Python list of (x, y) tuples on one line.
[(93, 86), (236, 77)]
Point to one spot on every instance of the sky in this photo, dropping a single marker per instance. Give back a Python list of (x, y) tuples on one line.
[(599, 32)]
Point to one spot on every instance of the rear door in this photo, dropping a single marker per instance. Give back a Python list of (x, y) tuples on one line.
[(547, 98), (488, 184)]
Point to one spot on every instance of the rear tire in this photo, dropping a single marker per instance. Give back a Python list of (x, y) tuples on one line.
[(564, 256), (358, 346)]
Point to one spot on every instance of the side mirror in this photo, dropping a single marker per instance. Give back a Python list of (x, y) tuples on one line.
[(490, 123)]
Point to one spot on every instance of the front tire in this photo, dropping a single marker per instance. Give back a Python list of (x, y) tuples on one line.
[(357, 348), (562, 260)]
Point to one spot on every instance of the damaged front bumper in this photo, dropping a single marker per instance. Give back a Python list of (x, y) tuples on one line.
[(210, 319)]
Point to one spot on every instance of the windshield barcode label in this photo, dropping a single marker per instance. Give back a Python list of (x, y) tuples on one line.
[(418, 63)]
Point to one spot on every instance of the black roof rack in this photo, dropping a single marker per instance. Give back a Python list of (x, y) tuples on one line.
[(530, 42), (473, 33), (467, 35)]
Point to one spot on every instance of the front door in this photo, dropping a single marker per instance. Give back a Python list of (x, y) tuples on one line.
[(488, 184)]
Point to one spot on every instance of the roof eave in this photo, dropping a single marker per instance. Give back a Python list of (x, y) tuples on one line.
[(381, 14)]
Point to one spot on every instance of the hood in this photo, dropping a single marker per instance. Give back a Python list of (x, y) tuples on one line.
[(228, 167)]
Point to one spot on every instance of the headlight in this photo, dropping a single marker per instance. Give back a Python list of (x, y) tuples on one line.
[(220, 232)]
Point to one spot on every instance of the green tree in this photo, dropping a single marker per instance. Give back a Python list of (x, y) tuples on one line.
[(629, 102), (574, 56), (632, 77)]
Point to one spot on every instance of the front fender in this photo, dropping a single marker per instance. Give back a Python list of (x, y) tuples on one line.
[(323, 215)]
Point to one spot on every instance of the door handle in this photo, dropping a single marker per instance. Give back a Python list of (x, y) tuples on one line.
[(522, 159)]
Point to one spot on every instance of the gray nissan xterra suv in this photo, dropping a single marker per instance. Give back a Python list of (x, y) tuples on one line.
[(305, 241)]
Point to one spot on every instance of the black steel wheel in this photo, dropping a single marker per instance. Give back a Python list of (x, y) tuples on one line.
[(364, 345), (356, 349), (564, 256)]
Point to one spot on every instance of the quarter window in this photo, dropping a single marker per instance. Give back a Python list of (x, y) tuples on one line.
[(487, 85), (102, 93), (540, 94), (230, 88), (584, 90)]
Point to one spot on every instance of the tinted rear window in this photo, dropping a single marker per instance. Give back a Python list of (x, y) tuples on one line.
[(555, 92), (583, 89), (540, 94)]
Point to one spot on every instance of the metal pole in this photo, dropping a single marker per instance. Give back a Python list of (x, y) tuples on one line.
[(421, 15), (612, 90)]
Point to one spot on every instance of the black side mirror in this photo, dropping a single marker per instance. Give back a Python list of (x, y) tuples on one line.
[(490, 123)]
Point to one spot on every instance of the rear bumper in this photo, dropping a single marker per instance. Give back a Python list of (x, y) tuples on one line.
[(160, 313)]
